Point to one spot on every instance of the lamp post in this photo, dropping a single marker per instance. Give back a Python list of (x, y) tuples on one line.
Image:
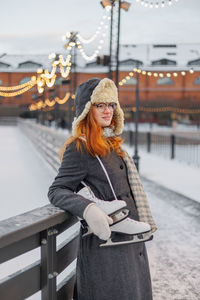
[(40, 113), (111, 32), (125, 6), (137, 106), (72, 45)]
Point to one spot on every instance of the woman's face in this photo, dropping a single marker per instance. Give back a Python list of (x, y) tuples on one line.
[(103, 113)]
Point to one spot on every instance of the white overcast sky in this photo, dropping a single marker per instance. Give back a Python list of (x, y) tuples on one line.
[(37, 26)]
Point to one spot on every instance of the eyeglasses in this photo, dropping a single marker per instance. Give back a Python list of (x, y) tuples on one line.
[(102, 106)]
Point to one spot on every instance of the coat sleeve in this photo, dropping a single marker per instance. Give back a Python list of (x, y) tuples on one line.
[(72, 171)]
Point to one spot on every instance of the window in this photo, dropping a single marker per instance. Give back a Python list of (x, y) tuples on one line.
[(24, 80), (195, 62), (197, 81), (29, 65), (165, 81), (164, 46), (164, 61), (1, 82), (131, 62), (171, 53), (58, 81), (131, 81), (4, 65)]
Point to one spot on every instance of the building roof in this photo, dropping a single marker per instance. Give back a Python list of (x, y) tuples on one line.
[(158, 57)]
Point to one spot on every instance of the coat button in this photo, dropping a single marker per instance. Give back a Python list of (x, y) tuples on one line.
[(121, 167)]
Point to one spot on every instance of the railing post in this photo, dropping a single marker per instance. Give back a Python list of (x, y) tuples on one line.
[(130, 137), (148, 141), (48, 264), (172, 146)]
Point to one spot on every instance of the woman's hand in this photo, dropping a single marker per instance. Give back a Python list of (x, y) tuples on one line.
[(98, 221)]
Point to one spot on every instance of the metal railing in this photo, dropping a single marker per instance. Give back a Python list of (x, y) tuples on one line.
[(46, 140), (38, 228), (5, 121), (174, 146)]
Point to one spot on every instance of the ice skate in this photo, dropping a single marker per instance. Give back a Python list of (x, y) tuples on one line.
[(139, 231), (116, 209)]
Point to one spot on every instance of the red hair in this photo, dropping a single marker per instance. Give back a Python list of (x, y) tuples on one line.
[(95, 142)]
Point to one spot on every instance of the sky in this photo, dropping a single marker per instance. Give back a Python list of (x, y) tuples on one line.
[(37, 27)]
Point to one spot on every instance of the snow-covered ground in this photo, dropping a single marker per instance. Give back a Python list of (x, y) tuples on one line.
[(172, 174), (174, 252), (24, 177)]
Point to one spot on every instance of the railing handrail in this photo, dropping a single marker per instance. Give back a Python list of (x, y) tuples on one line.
[(21, 226), (40, 228)]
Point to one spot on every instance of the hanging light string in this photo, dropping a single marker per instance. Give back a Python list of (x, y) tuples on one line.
[(154, 74), (83, 40), (96, 52), (18, 89), (79, 45), (44, 77), (164, 109), (49, 78), (156, 3), (98, 31), (50, 103)]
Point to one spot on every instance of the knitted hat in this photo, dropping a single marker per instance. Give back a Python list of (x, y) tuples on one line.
[(97, 90)]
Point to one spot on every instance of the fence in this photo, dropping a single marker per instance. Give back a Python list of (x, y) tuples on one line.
[(46, 140), (40, 228), (185, 149), (12, 121)]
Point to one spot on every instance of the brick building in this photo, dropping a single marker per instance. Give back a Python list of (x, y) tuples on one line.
[(180, 89)]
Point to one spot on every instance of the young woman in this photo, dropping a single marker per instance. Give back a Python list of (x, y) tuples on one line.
[(119, 272)]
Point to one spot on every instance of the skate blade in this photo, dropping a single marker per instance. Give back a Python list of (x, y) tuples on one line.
[(144, 237)]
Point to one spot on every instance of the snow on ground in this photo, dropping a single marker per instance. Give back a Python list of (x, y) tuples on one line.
[(24, 177), (172, 174), (174, 252)]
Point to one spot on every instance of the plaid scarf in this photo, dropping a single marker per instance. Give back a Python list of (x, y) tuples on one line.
[(137, 189)]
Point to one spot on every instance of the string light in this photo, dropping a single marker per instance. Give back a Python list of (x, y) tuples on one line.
[(164, 109), (156, 4), (13, 94), (43, 78), (155, 74), (92, 38), (42, 104), (62, 101), (49, 78), (77, 41), (18, 87)]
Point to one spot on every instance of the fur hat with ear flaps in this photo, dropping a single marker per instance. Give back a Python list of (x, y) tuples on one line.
[(95, 91)]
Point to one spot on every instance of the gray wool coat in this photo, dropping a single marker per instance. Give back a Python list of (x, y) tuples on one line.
[(108, 273)]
